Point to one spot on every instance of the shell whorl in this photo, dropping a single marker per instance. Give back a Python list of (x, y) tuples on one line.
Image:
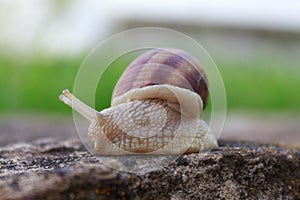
[(174, 68)]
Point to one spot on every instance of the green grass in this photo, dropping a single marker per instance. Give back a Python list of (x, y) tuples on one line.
[(35, 84), (262, 86)]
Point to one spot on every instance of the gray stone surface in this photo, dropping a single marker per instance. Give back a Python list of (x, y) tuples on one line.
[(46, 169)]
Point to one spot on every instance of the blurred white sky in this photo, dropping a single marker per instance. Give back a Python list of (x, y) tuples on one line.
[(72, 26)]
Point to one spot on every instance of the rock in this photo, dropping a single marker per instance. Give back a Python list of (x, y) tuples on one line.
[(65, 170)]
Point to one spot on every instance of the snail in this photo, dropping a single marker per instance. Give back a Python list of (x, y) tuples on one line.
[(155, 108)]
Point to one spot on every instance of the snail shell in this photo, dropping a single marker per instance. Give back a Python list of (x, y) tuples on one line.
[(162, 73), (155, 105)]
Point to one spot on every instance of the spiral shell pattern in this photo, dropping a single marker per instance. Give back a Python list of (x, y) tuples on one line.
[(163, 66)]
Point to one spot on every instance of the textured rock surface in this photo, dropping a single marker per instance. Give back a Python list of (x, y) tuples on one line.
[(236, 170)]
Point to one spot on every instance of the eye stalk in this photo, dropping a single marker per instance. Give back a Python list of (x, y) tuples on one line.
[(69, 99)]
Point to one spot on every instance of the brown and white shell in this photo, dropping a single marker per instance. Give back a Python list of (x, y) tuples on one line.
[(164, 73)]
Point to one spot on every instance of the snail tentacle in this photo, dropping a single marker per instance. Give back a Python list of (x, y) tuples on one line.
[(69, 99)]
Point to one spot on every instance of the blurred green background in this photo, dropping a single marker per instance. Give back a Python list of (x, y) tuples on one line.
[(33, 85), (44, 44), (255, 44)]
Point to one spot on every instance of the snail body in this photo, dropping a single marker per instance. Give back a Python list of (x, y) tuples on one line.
[(155, 108)]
